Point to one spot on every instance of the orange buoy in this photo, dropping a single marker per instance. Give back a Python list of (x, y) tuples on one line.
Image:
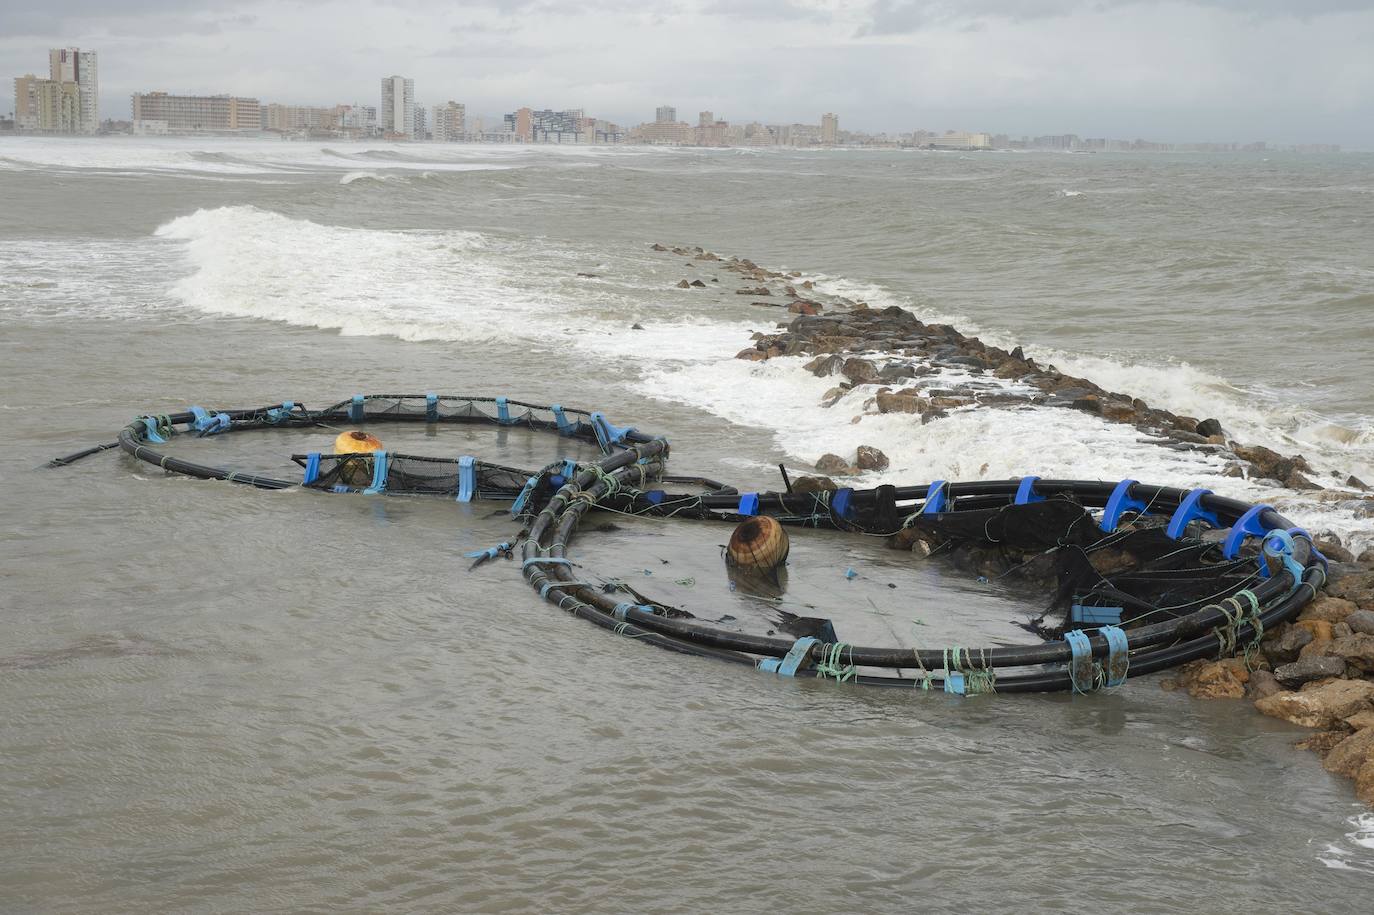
[(758, 543), (357, 472)]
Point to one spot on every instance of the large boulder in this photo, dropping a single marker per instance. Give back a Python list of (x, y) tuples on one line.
[(889, 402), (1284, 648), (834, 464), (1349, 756), (1357, 587), (1320, 707), (859, 371), (870, 458), (1361, 621)]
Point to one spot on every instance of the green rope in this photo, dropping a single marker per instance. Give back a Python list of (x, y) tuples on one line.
[(830, 663)]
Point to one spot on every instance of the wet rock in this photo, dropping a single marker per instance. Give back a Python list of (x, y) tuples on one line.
[(683, 284), (834, 464), (1355, 482), (751, 355), (1012, 368), (1357, 587), (1364, 783), (813, 484), (897, 371), (859, 371), (1309, 668), (1331, 547), (824, 366), (902, 403), (1350, 755), (832, 396), (1209, 427), (1320, 707), (1361, 622), (698, 284), (1366, 558), (590, 276), (1331, 609), (636, 326), (1223, 679), (757, 290), (870, 458), (1117, 411), (803, 307), (1322, 742), (1354, 650), (1262, 684), (1295, 480), (657, 247), (1186, 423), (1284, 649)]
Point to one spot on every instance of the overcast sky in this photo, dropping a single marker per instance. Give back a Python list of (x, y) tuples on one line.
[(1277, 70)]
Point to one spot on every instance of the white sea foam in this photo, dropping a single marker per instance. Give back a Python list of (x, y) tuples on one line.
[(1357, 852)]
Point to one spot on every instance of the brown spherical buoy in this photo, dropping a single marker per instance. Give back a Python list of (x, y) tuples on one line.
[(357, 472), (758, 543)]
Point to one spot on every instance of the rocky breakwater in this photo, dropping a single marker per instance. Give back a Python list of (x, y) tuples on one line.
[(1316, 672)]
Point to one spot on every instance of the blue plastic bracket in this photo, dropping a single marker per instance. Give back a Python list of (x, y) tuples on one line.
[(1118, 656), (956, 683), (787, 666), (1190, 509), (1120, 502), (220, 422), (607, 434), (1025, 492), (150, 430), (565, 425), (1095, 616), (277, 414), (524, 497), (467, 478), (312, 468), (749, 503), (569, 469), (1081, 660), (201, 418), (937, 498), (622, 610), (378, 474), (654, 496), (503, 411), (355, 409), (842, 502), (1279, 544), (431, 407), (1312, 544), (1248, 526)]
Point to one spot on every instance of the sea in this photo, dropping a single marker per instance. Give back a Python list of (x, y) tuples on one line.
[(221, 699)]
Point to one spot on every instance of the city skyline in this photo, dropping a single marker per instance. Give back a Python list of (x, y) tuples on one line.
[(1200, 70)]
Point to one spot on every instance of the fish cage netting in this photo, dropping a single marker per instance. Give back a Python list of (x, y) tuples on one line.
[(1139, 577)]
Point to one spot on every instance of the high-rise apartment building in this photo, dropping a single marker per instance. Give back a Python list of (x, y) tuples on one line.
[(450, 123), (48, 105), (830, 129), (666, 114), (706, 118), (158, 112), (73, 65), (398, 107), (520, 125)]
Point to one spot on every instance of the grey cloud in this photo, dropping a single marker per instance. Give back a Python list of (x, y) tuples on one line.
[(899, 17)]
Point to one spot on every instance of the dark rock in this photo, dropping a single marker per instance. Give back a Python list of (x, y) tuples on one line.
[(757, 290), (1332, 549), (636, 326), (1285, 648), (751, 355), (1366, 558), (1360, 621), (699, 284), (683, 284), (813, 484), (824, 366), (590, 276), (1192, 438), (1355, 483), (1309, 668), (1018, 354), (870, 458), (1209, 427), (803, 307), (897, 371), (657, 247)]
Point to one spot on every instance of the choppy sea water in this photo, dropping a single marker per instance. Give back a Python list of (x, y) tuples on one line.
[(223, 699)]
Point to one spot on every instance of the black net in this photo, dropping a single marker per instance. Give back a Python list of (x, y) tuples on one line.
[(405, 474)]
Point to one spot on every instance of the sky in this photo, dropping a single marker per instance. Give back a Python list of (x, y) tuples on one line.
[(1179, 71)]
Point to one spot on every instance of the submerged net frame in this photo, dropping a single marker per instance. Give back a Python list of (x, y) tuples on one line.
[(1267, 571)]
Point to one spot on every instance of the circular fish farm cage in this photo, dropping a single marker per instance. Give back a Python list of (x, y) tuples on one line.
[(1140, 578)]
